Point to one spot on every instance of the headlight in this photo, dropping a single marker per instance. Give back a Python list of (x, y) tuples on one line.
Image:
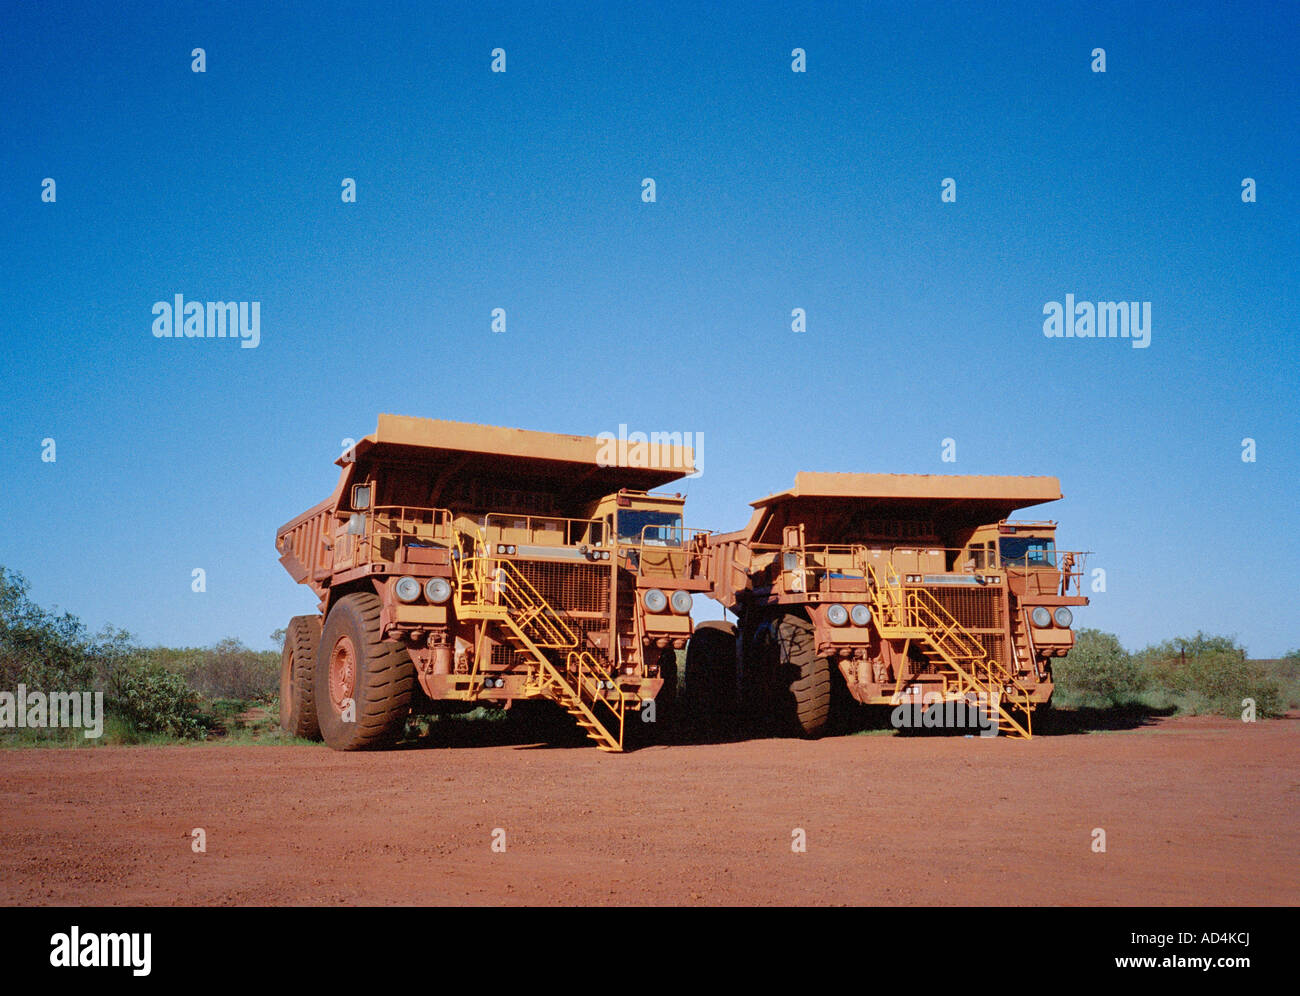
[(437, 590), (860, 614), (655, 600), (681, 602), (1064, 617), (837, 615), (407, 589), (1040, 617)]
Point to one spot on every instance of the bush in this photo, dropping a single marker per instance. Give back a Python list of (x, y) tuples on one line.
[(50, 652), (231, 670), (1098, 671), (1211, 674), (155, 700)]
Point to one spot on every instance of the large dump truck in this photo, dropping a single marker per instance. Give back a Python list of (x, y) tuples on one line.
[(485, 564), (912, 590)]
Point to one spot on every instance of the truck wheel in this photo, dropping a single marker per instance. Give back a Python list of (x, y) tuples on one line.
[(803, 679), (710, 689), (363, 683), (297, 683)]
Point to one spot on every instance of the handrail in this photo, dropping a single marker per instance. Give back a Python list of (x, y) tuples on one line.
[(806, 575), (685, 541), (403, 521), (1070, 568), (594, 527)]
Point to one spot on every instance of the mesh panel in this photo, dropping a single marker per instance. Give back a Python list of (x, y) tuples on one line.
[(979, 610), (503, 656), (569, 587), (973, 608), (994, 645)]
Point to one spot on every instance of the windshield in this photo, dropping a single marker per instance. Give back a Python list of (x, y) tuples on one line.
[(665, 527), (1027, 551)]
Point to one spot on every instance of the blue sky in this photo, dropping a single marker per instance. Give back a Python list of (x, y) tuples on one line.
[(775, 190)]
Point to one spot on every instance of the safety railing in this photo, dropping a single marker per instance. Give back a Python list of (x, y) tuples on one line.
[(1064, 570), (391, 526), (810, 569), (543, 530), (669, 551)]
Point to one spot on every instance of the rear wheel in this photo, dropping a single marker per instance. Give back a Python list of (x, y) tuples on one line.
[(802, 680), (297, 680), (363, 683)]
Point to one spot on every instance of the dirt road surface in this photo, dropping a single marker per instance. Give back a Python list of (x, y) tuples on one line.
[(1195, 811)]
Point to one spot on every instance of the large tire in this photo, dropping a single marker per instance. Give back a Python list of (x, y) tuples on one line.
[(356, 663), (710, 690), (802, 679), (297, 678)]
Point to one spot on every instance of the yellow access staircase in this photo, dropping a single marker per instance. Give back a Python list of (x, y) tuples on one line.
[(489, 588), (910, 613)]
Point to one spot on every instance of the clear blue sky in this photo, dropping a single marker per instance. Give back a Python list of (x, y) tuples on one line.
[(775, 191)]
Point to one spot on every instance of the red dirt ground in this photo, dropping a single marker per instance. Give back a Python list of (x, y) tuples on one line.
[(1196, 811)]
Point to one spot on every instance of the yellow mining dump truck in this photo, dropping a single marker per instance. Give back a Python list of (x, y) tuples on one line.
[(484, 564), (911, 590)]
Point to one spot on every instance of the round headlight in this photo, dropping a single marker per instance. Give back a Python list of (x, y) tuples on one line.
[(1064, 617), (437, 590), (860, 614), (1040, 617), (407, 589), (681, 602), (837, 615), (655, 600)]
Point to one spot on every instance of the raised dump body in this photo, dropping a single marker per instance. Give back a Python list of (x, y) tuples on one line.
[(911, 589), (487, 564)]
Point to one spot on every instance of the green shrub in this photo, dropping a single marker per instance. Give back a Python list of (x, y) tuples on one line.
[(1098, 671), (1211, 674), (154, 700)]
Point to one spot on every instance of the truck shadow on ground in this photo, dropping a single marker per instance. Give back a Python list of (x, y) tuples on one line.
[(1068, 722), (545, 726), (878, 720), (527, 725), (1050, 722)]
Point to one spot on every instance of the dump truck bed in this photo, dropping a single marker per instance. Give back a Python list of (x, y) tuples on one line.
[(583, 468), (949, 502)]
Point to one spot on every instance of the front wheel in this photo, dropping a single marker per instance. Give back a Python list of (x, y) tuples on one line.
[(803, 678), (363, 683)]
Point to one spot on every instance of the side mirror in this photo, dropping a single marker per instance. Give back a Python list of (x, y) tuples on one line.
[(356, 524), (361, 496)]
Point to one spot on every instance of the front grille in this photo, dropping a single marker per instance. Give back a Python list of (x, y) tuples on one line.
[(569, 587), (579, 592), (974, 608), (979, 611)]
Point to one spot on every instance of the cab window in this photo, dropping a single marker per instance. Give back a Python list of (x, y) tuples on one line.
[(665, 527), (1027, 551)]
